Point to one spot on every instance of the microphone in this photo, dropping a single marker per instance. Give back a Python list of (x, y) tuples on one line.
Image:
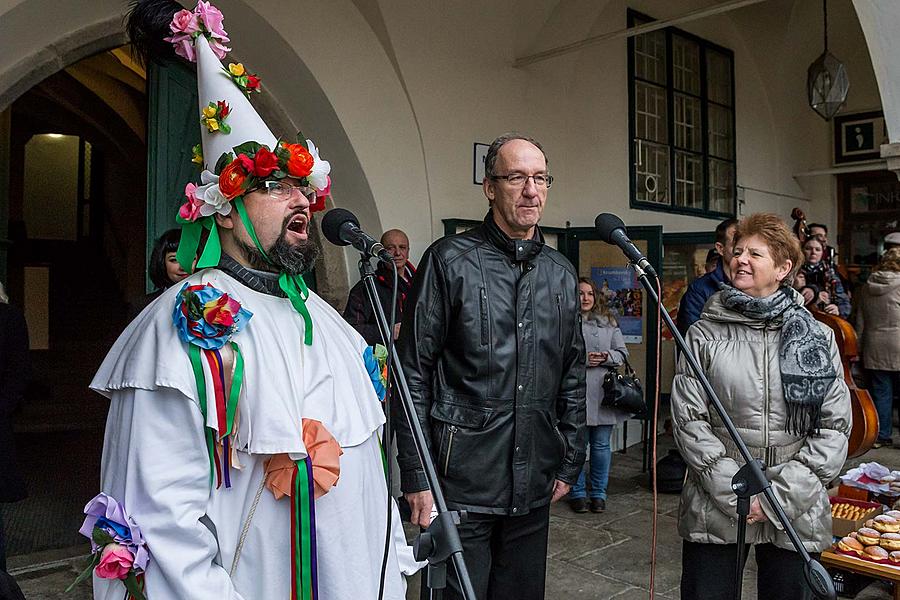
[(612, 231), (341, 228)]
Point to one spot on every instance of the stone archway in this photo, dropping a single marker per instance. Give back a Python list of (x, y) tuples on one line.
[(315, 76)]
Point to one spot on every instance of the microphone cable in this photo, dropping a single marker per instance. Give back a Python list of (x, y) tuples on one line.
[(386, 442), (654, 421)]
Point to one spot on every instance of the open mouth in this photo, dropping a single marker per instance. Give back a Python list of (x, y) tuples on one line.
[(298, 223), (743, 272)]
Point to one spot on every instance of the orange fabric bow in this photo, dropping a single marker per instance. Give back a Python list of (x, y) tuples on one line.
[(325, 453)]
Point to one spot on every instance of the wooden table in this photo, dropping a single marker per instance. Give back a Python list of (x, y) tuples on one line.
[(863, 567)]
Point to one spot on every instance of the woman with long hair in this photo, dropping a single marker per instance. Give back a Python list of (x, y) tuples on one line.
[(878, 324), (605, 349), (778, 373)]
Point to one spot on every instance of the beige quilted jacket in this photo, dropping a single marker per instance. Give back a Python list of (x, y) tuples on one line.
[(740, 358)]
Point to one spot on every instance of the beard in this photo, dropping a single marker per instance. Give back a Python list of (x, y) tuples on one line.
[(293, 259)]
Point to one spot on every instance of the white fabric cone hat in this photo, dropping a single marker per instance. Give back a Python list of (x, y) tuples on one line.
[(215, 85)]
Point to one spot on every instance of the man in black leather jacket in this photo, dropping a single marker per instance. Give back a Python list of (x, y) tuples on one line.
[(492, 346)]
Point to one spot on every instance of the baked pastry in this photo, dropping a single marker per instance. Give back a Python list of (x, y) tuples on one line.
[(876, 553), (893, 513), (868, 536), (884, 523), (888, 479), (849, 545), (890, 541), (894, 557), (870, 523)]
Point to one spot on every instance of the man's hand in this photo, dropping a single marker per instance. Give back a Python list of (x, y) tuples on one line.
[(560, 489), (808, 295), (420, 504), (832, 309)]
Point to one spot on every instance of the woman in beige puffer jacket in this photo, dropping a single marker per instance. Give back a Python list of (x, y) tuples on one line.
[(740, 357), (878, 324)]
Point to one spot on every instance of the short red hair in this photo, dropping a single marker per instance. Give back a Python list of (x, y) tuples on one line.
[(783, 244)]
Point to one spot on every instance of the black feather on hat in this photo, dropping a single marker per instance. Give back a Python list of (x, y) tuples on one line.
[(147, 23)]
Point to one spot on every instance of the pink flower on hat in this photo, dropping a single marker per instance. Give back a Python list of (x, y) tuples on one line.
[(190, 210)]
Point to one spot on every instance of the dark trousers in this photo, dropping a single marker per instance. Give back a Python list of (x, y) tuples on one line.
[(506, 556), (707, 572)]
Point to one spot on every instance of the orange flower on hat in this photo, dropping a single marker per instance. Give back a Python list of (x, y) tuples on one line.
[(300, 163), (231, 179)]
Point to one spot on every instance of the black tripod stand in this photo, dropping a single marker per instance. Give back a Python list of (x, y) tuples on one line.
[(750, 479), (441, 540)]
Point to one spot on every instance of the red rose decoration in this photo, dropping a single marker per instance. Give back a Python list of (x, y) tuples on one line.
[(252, 83), (224, 109), (300, 163), (264, 162), (232, 178), (246, 162)]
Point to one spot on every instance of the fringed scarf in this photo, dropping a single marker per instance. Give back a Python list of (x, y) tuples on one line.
[(807, 372)]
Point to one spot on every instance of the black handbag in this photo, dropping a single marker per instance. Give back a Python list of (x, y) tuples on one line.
[(623, 391)]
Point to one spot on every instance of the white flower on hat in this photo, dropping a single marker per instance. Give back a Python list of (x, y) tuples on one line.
[(211, 195), (318, 177)]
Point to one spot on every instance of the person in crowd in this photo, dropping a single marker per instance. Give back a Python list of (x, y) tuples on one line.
[(163, 268), (359, 312), (605, 349), (14, 376), (809, 292), (492, 345), (777, 372), (699, 291), (878, 324), (712, 261), (245, 412), (819, 273)]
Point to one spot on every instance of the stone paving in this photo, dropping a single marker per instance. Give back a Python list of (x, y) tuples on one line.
[(590, 556)]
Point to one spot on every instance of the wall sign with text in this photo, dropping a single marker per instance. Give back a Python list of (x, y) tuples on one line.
[(859, 137)]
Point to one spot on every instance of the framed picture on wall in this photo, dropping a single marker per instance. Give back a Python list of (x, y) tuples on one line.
[(859, 137)]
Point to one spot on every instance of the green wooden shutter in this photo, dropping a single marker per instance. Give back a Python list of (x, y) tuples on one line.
[(173, 128)]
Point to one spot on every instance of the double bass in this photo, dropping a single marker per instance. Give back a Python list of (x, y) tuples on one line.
[(865, 417)]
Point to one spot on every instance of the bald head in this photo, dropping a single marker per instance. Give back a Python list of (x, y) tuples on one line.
[(396, 242)]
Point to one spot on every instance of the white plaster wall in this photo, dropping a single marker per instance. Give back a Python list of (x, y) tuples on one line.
[(396, 94)]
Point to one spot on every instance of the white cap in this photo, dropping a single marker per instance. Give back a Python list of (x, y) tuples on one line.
[(892, 239)]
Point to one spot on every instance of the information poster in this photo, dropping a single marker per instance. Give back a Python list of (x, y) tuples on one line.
[(624, 297)]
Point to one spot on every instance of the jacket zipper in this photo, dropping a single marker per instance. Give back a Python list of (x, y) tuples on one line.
[(452, 429), (559, 318), (484, 317), (766, 391)]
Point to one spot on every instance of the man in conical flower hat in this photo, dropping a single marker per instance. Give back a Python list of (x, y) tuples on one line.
[(242, 457)]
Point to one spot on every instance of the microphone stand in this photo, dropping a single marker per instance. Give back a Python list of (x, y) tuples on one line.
[(441, 540), (750, 479)]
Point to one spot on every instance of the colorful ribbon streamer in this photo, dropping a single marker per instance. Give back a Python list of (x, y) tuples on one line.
[(226, 406), (304, 575)]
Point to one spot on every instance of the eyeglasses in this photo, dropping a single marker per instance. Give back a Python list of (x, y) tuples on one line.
[(279, 190), (541, 180)]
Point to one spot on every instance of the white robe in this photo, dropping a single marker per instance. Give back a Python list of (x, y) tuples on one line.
[(156, 463)]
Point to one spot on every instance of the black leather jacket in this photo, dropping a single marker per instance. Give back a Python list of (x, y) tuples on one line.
[(492, 346)]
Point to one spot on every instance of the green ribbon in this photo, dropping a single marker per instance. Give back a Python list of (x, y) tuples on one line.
[(190, 241), (235, 392), (293, 286), (194, 353)]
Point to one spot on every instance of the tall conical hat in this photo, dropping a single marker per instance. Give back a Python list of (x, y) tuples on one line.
[(214, 85)]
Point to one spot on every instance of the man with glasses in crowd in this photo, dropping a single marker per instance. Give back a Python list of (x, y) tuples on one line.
[(492, 346)]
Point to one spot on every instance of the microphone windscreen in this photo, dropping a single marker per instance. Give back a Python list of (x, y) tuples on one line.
[(331, 225), (606, 223)]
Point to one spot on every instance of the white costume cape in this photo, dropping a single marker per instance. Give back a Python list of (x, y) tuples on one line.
[(155, 459)]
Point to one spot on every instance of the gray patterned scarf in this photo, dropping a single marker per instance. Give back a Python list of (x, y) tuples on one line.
[(804, 356)]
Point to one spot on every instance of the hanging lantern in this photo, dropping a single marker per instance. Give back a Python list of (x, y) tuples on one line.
[(827, 83)]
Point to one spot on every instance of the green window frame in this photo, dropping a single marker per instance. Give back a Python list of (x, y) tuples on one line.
[(681, 123)]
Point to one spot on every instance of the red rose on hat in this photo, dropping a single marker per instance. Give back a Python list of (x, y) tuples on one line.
[(264, 162)]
